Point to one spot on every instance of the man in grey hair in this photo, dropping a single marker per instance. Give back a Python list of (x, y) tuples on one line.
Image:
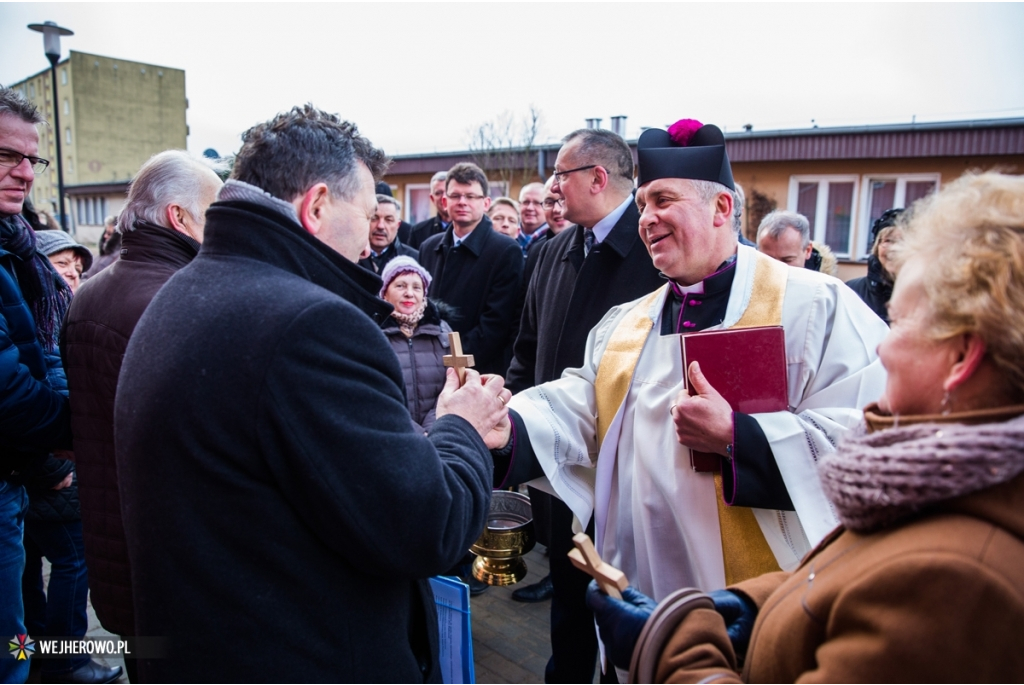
[(161, 229), (385, 244), (437, 223), (273, 484), (785, 236)]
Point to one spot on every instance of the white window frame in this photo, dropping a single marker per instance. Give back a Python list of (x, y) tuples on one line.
[(407, 204), (899, 200), (504, 185), (821, 209)]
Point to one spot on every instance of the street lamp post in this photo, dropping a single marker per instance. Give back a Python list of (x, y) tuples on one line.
[(51, 44)]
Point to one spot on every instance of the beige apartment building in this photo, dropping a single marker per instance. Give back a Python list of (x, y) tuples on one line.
[(114, 115)]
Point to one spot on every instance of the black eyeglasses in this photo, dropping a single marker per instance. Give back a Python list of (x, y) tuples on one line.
[(12, 158), (469, 197), (550, 203), (560, 176)]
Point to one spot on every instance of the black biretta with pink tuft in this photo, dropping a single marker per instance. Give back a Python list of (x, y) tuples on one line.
[(688, 149)]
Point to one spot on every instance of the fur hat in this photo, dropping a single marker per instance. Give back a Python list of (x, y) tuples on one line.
[(51, 242), (402, 265)]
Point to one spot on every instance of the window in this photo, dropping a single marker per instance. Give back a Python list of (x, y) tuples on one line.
[(417, 202), (882, 192), (498, 188), (67, 106), (67, 135), (828, 204), (63, 77), (32, 90)]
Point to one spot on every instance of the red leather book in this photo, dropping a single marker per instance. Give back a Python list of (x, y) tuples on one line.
[(747, 366)]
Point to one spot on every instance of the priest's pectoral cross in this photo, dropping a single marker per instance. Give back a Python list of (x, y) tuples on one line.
[(585, 558), (460, 362)]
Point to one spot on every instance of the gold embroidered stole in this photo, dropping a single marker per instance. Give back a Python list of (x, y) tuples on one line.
[(745, 551)]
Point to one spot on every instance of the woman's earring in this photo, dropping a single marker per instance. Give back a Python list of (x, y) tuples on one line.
[(947, 402)]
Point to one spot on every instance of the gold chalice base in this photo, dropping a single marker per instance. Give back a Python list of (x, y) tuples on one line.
[(499, 571)]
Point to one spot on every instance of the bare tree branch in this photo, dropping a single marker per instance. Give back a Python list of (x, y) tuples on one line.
[(504, 147)]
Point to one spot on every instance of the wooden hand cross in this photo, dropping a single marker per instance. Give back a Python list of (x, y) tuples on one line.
[(585, 558), (456, 359)]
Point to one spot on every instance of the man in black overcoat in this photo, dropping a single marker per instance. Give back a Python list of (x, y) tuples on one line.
[(579, 275), (437, 223), (281, 512), (476, 271)]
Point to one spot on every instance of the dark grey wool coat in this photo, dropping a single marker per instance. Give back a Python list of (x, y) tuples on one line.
[(422, 360), (282, 514)]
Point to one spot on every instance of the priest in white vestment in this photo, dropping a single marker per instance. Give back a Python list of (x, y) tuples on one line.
[(613, 437)]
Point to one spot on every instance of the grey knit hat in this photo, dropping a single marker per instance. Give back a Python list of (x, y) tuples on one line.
[(52, 242), (400, 265)]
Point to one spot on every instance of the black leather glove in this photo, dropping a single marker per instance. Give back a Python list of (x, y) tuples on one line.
[(620, 621), (739, 614)]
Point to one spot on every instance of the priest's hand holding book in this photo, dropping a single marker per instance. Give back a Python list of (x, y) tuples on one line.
[(703, 421)]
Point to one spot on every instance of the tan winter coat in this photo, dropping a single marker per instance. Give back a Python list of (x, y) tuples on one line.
[(937, 599)]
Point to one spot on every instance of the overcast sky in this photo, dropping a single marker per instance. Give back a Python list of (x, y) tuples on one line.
[(420, 77)]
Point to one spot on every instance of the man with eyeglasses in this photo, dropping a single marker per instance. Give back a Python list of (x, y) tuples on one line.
[(437, 223), (476, 270), (531, 215), (579, 275), (34, 417)]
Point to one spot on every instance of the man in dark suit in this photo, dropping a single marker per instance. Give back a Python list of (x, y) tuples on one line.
[(579, 275), (385, 243), (437, 223), (476, 271)]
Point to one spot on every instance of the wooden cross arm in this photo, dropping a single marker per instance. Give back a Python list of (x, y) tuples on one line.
[(456, 359), (585, 558)]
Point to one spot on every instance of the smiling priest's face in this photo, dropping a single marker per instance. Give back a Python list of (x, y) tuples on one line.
[(687, 236)]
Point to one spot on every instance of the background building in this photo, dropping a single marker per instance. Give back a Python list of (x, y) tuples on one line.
[(841, 179), (114, 115)]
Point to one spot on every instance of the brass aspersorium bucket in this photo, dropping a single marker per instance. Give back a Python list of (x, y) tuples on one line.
[(507, 537)]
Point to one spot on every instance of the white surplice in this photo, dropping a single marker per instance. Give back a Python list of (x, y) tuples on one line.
[(656, 519)]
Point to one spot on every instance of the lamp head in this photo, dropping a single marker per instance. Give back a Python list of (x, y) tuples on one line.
[(51, 38)]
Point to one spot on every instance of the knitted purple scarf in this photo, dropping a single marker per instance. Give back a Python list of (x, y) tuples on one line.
[(46, 293), (879, 479)]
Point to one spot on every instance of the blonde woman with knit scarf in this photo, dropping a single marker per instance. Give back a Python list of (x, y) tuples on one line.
[(924, 579)]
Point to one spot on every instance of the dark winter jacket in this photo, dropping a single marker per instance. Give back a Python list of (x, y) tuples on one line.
[(282, 514), (102, 317), (423, 230), (480, 280), (568, 295), (110, 252), (875, 288), (422, 360), (34, 416)]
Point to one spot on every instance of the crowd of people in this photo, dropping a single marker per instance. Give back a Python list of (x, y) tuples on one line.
[(235, 425)]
